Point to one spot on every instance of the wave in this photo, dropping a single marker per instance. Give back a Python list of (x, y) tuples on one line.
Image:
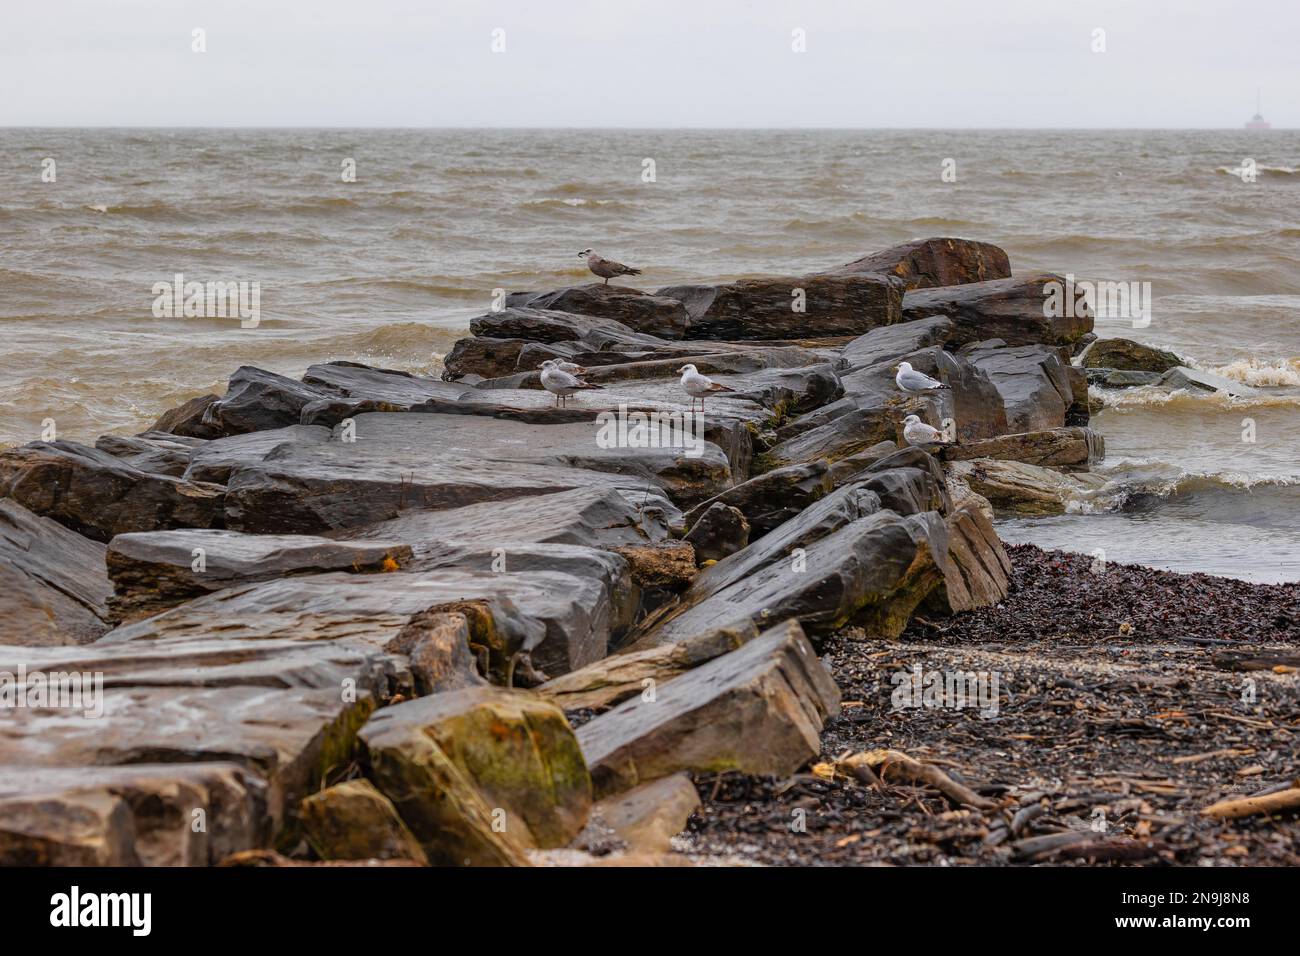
[(577, 201), (1269, 501), (1148, 395), (1260, 373)]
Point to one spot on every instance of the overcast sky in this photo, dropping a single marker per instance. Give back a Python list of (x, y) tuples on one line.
[(704, 63)]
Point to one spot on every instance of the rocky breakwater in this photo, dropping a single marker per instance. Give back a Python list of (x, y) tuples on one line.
[(367, 614)]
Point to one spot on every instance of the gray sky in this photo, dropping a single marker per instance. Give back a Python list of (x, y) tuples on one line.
[(589, 63)]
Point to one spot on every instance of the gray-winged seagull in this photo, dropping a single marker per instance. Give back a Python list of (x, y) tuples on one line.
[(560, 383), (698, 386), (606, 268), (913, 382)]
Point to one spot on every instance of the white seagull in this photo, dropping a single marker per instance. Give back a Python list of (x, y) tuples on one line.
[(913, 382), (564, 366), (606, 268), (698, 386), (918, 432), (560, 383)]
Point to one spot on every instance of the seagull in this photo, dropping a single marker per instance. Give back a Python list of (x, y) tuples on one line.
[(564, 366), (913, 382), (606, 268), (560, 383), (918, 432), (698, 386)]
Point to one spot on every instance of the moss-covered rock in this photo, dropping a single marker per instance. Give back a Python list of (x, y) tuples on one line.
[(354, 821), (481, 773), (1130, 356)]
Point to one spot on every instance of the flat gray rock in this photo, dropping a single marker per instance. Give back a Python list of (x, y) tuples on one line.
[(53, 588), (155, 455), (430, 461), (759, 710), (215, 460), (130, 815), (653, 314), (99, 496), (833, 305), (153, 570), (1202, 381), (842, 559), (1012, 309), (257, 400), (593, 518)]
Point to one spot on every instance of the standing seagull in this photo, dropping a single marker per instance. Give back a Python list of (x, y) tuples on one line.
[(913, 382), (606, 268), (919, 433), (564, 366), (560, 383), (698, 386)]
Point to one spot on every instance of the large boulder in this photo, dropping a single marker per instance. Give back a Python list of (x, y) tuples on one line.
[(215, 460), (137, 815), (1021, 311), (856, 428), (759, 709), (1127, 355), (482, 356), (889, 344), (832, 305), (99, 496), (393, 389), (286, 711), (773, 497), (843, 560), (480, 774), (1040, 390), (549, 325), (256, 400), (1197, 380), (1018, 488), (652, 314), (721, 530), (1057, 447), (978, 570), (641, 820), (153, 570), (561, 621), (628, 673), (53, 589), (159, 456), (401, 462), (924, 263), (597, 518), (190, 419), (354, 821)]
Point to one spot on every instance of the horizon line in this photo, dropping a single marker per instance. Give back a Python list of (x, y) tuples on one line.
[(865, 129)]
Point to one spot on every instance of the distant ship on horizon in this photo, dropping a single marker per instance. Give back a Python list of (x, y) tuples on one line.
[(1257, 121)]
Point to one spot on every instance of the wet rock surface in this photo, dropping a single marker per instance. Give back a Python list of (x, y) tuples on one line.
[(372, 615)]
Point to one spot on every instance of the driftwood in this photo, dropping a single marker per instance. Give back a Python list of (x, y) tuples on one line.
[(893, 765), (1248, 806), (1264, 659)]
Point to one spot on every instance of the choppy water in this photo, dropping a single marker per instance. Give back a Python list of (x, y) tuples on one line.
[(389, 269)]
